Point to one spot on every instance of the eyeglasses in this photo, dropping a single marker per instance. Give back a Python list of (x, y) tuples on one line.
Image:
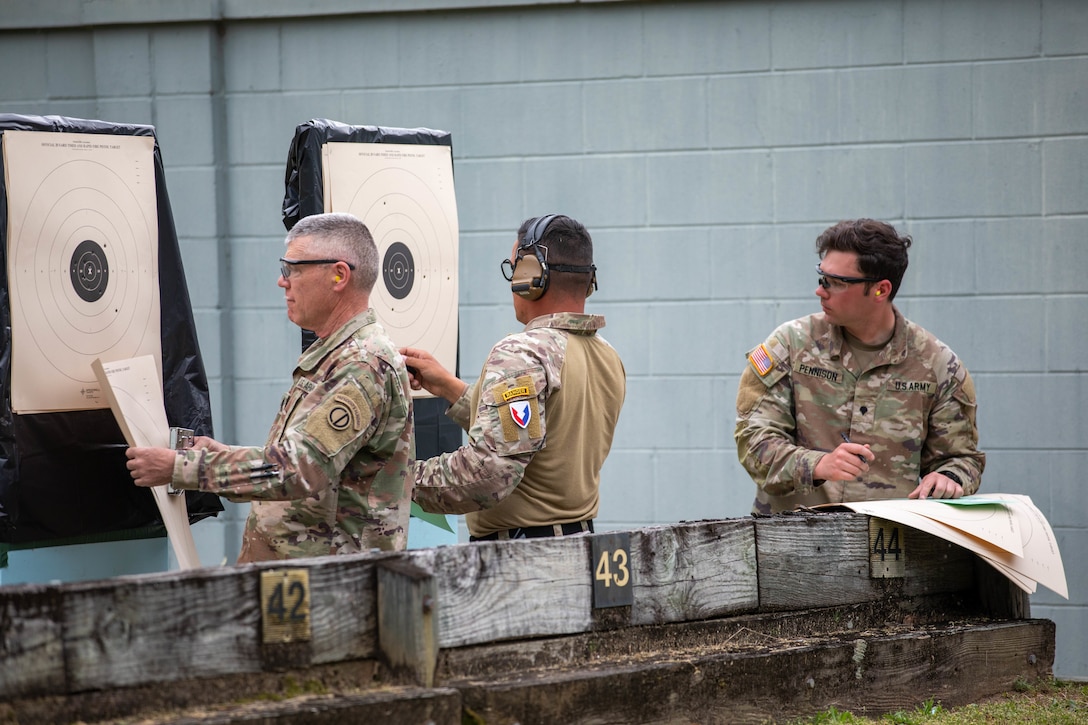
[(287, 264), (507, 270), (840, 282)]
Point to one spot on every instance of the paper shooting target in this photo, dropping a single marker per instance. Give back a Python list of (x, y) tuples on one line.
[(404, 194), (82, 262)]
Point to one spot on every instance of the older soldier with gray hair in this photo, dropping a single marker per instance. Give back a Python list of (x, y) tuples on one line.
[(541, 416), (334, 475), (856, 402)]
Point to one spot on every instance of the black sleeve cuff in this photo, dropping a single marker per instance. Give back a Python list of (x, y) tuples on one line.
[(954, 477)]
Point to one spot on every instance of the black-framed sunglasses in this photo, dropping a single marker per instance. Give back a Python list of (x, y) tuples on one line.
[(287, 264), (826, 277)]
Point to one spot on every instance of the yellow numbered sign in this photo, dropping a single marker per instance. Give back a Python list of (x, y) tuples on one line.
[(610, 566), (285, 605), (887, 555)]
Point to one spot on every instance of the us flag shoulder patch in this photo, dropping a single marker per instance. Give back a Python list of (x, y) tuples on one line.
[(761, 360)]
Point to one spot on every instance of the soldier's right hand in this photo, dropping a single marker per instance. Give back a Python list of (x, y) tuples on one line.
[(845, 463)]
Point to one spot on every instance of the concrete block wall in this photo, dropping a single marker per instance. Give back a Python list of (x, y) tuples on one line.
[(705, 145)]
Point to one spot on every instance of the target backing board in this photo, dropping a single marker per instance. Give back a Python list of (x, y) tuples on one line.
[(404, 194), (82, 262)]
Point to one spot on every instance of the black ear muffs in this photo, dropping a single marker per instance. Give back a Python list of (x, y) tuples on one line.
[(530, 277)]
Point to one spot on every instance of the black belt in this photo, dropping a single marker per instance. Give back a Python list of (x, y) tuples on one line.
[(538, 532)]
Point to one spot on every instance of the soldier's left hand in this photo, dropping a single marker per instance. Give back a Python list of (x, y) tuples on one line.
[(937, 485)]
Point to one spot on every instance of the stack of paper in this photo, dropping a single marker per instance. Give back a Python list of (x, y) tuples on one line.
[(134, 391), (1005, 529)]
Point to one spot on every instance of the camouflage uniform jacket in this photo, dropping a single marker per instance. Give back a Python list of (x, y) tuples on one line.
[(333, 477), (540, 421), (914, 405)]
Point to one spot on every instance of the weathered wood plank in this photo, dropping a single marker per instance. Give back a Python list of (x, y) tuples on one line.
[(407, 620), (208, 620), (499, 590), (31, 645), (868, 675), (819, 560), (693, 571)]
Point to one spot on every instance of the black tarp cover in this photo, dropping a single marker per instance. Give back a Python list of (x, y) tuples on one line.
[(304, 195), (63, 475)]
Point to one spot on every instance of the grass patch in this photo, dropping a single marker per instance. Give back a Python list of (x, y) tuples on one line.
[(1047, 702)]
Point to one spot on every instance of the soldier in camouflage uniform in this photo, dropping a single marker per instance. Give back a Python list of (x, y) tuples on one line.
[(856, 402), (333, 477), (541, 416)]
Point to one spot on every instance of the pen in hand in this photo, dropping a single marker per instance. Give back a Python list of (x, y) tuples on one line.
[(847, 439)]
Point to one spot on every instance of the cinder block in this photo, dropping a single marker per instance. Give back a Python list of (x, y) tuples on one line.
[(481, 328), (819, 36), (522, 120), (201, 260), (758, 262), (690, 485), (653, 264), (481, 282), (433, 108), (723, 187), (183, 59), (1065, 176), (705, 38), (328, 53), (940, 102), (251, 57), (597, 44), (972, 179), (256, 201), (1065, 27), (1067, 254), (260, 127), (665, 413), (1066, 507), (680, 343), (678, 105), (1032, 411), (980, 329), (441, 49), (491, 193), (1065, 348), (255, 273), (627, 491), (124, 110), (599, 191), (625, 330), (186, 130), (835, 183), (193, 197), (973, 30), (122, 62), (70, 64), (27, 53), (265, 345)]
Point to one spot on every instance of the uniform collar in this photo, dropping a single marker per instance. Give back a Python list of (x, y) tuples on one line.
[(317, 352), (573, 321)]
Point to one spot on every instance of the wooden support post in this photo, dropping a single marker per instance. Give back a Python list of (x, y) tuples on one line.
[(407, 619)]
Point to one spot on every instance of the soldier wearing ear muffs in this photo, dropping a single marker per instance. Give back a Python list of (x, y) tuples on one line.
[(541, 416), (856, 402)]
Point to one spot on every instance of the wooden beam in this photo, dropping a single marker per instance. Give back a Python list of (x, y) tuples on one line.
[(408, 619)]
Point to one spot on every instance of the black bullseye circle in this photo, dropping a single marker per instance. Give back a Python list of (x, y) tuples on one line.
[(398, 270), (89, 270)]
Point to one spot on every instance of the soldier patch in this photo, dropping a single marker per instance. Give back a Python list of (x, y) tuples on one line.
[(761, 360), (338, 419), (521, 412)]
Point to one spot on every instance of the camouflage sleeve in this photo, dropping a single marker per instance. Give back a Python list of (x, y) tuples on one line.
[(508, 429), (952, 440), (313, 450), (766, 431)]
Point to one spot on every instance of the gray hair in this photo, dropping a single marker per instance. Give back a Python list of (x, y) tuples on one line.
[(344, 237)]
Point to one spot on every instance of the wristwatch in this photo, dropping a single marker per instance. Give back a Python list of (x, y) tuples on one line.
[(954, 477)]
